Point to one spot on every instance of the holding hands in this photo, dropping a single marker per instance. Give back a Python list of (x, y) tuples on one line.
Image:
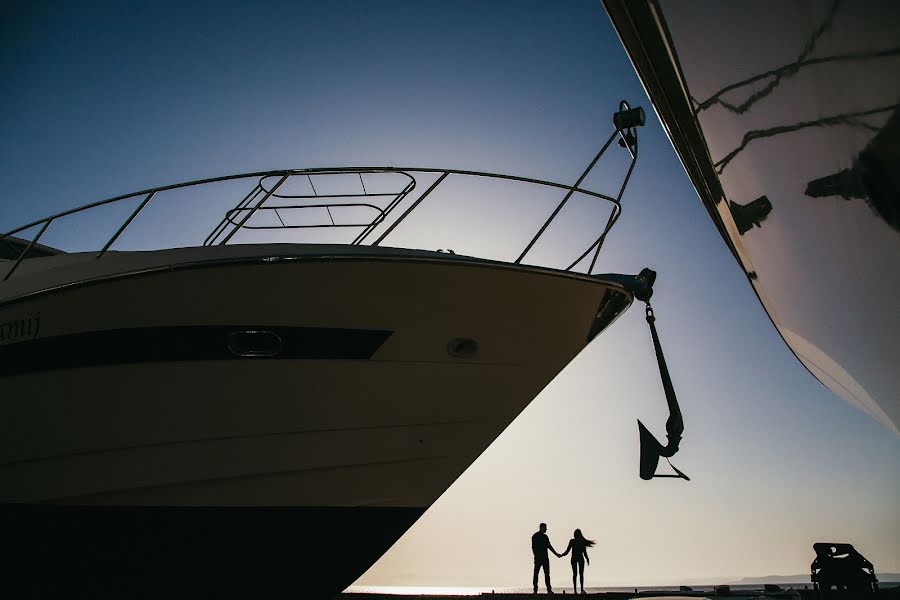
[(541, 546)]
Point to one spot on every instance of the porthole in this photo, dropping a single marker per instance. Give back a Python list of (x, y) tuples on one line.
[(462, 347)]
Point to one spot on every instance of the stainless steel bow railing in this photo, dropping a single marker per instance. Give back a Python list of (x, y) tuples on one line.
[(271, 185)]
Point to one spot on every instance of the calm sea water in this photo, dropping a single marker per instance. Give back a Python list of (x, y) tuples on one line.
[(465, 591), (470, 591)]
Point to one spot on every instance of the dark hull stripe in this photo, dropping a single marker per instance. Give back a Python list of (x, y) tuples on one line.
[(177, 344)]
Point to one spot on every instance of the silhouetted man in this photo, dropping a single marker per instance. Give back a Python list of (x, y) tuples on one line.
[(540, 543)]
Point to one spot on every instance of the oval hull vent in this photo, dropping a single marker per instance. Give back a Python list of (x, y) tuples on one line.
[(254, 343)]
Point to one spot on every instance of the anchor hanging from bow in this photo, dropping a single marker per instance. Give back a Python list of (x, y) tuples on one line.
[(651, 448)]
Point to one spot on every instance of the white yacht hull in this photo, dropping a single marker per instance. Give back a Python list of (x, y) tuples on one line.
[(128, 394)]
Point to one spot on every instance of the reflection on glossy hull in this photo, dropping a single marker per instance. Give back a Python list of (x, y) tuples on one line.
[(791, 136)]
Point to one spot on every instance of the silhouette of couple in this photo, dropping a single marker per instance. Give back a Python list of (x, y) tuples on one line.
[(578, 546)]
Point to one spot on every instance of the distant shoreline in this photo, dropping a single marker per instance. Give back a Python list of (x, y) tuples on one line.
[(891, 580)]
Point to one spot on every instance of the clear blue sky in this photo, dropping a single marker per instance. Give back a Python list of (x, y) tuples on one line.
[(104, 98)]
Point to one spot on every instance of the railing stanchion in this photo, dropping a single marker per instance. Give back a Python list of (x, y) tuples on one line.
[(254, 209), (411, 208), (571, 191), (615, 215), (400, 197), (126, 224), (218, 229), (28, 249)]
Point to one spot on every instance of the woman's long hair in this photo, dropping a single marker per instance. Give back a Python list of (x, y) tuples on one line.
[(587, 543)]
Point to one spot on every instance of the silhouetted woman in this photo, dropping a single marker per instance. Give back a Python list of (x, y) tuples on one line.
[(578, 545)]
